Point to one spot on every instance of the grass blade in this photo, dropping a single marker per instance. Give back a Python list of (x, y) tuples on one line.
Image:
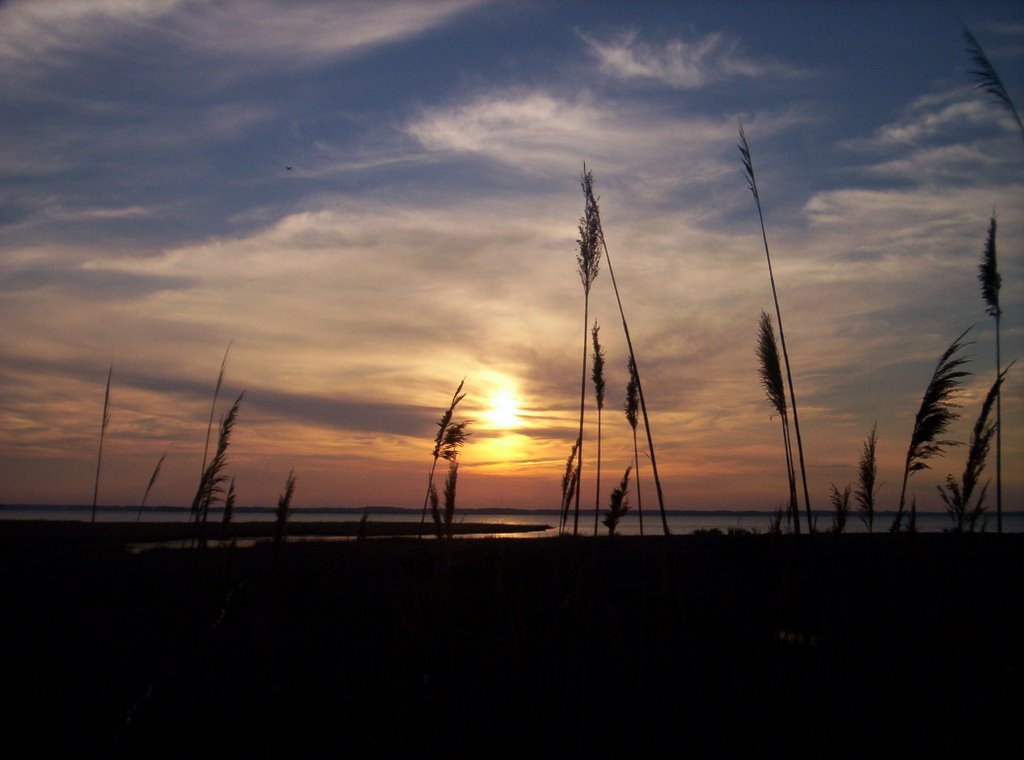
[(104, 422)]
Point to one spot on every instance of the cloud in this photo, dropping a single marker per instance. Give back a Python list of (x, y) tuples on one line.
[(39, 35), (682, 65), (541, 133)]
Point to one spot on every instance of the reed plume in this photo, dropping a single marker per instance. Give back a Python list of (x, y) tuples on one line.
[(597, 375), (588, 260), (775, 391), (986, 79), (451, 436), (213, 406), (933, 418), (957, 496), (152, 480), (284, 502), (632, 407), (867, 476), (840, 507), (618, 505), (211, 484), (988, 276), (588, 192), (748, 169), (569, 480)]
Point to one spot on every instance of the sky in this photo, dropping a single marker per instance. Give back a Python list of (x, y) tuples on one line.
[(370, 201)]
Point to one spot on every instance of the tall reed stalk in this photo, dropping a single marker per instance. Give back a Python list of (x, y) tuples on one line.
[(988, 276), (632, 407), (450, 437), (597, 375), (775, 391), (591, 200), (933, 418), (748, 167), (104, 421), (588, 260)]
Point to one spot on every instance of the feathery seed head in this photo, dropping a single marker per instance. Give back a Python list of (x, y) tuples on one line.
[(588, 258), (988, 273), (597, 373), (770, 365)]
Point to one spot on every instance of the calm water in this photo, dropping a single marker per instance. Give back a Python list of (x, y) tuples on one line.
[(679, 522)]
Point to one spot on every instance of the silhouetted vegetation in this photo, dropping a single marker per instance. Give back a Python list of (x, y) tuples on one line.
[(986, 78), (957, 495), (618, 505), (149, 487), (588, 260), (284, 502), (840, 508), (104, 421), (631, 407), (211, 484), (588, 192), (597, 375), (934, 416), (771, 381), (449, 439), (988, 276), (867, 477), (748, 169)]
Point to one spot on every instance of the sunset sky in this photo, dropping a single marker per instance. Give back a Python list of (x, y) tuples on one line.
[(370, 201)]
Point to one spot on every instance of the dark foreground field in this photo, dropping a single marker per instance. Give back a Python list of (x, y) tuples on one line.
[(713, 645)]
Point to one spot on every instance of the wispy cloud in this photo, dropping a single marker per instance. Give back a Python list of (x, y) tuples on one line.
[(42, 34), (680, 64)]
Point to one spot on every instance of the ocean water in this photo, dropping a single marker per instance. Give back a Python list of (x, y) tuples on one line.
[(680, 522)]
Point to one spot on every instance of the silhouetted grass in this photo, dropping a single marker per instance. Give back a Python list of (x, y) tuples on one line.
[(451, 436), (748, 168), (840, 508), (588, 191), (775, 391), (934, 416), (867, 477), (618, 504), (588, 260), (957, 495), (988, 276), (631, 407), (986, 78), (152, 480), (597, 375), (284, 502), (211, 484), (104, 421), (213, 406), (569, 480)]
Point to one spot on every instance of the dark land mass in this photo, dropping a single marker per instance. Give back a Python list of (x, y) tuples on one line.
[(850, 646)]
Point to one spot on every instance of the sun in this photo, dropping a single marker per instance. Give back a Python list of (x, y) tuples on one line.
[(504, 411)]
